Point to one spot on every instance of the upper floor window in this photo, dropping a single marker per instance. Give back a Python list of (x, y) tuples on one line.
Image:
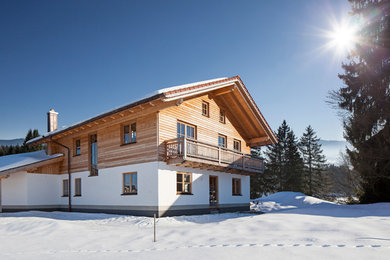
[(77, 187), (205, 108), (77, 147), (222, 117), (237, 145), (129, 133), (236, 186), (65, 188), (130, 183), (186, 130), (183, 183), (93, 155), (222, 141)]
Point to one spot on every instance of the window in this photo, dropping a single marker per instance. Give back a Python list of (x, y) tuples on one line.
[(65, 188), (77, 147), (186, 130), (205, 108), (237, 145), (222, 141), (77, 187), (236, 186), (130, 183), (93, 155), (222, 117), (129, 133), (183, 183)]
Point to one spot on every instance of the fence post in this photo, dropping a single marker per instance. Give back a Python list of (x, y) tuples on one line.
[(184, 148), (154, 228), (219, 155)]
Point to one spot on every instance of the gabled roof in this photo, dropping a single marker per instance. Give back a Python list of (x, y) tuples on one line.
[(22, 161), (187, 91)]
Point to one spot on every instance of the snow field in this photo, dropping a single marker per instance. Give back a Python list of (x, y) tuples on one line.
[(296, 227)]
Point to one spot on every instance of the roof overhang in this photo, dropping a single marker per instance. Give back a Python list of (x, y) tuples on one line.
[(50, 160)]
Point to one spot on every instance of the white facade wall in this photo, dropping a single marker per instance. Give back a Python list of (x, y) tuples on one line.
[(200, 187), (156, 187), (106, 188), (28, 189)]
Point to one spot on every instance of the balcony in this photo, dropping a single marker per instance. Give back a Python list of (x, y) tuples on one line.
[(192, 153)]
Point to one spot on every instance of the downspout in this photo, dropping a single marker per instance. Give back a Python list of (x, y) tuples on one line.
[(69, 175)]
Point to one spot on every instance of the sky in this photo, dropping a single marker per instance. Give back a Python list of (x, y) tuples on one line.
[(83, 58)]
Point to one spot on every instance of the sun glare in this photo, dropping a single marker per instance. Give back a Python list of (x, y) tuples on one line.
[(342, 38)]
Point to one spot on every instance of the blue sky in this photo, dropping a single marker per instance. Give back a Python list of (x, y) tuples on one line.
[(85, 57)]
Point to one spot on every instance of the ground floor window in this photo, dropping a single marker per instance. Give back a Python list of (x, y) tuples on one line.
[(77, 187), (183, 183), (130, 183), (236, 186), (65, 188)]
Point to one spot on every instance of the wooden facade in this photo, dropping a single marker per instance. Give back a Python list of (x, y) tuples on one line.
[(156, 124)]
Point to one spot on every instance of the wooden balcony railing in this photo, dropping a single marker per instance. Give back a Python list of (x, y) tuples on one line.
[(189, 150)]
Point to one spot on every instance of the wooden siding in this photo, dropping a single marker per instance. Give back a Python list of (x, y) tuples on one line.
[(111, 152), (207, 128)]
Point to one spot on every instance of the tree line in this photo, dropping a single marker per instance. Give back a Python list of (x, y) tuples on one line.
[(299, 165), (24, 148)]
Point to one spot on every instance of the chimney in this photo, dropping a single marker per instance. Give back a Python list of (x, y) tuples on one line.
[(52, 120)]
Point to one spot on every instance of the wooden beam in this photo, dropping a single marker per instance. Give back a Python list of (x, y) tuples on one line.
[(224, 91), (263, 139)]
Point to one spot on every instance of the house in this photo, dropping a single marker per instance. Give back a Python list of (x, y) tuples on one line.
[(182, 150)]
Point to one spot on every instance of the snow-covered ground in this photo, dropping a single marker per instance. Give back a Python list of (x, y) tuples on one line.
[(295, 227)]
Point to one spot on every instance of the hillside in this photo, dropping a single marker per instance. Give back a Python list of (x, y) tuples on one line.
[(18, 141)]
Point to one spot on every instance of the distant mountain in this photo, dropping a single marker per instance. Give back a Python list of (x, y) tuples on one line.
[(18, 141), (332, 149)]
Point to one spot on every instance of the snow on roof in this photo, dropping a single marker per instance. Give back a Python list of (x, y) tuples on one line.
[(163, 90), (13, 161), (139, 101)]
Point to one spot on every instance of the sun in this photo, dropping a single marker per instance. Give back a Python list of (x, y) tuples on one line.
[(342, 38)]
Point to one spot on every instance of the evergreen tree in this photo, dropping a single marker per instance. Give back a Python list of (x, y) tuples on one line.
[(314, 162), (294, 164), (365, 99), (262, 184), (14, 149), (284, 161)]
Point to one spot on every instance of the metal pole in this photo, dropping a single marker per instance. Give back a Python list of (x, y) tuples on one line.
[(154, 226)]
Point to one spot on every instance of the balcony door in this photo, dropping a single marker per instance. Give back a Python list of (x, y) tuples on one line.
[(213, 187), (188, 131)]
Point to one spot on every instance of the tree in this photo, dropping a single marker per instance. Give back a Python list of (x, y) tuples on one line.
[(365, 99), (14, 149), (314, 162), (284, 161), (262, 184), (294, 164)]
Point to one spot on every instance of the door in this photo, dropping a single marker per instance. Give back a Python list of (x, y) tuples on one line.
[(213, 184)]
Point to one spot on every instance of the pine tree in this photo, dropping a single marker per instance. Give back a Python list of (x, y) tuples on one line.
[(262, 184), (365, 99), (284, 161), (294, 164), (314, 162)]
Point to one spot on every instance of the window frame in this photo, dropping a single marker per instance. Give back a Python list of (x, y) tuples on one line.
[(185, 130), (222, 116), (77, 191), (239, 145), (130, 133), (65, 190), (206, 112), (131, 183), (75, 147), (225, 137), (182, 192), (92, 171), (236, 187)]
